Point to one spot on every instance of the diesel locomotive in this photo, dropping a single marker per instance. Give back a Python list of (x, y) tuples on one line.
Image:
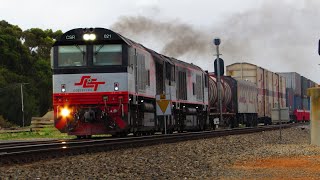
[(104, 83)]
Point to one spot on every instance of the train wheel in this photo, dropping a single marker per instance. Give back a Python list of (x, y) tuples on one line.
[(137, 133), (88, 136), (125, 134)]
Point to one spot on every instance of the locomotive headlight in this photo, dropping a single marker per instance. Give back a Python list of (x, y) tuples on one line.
[(86, 37), (92, 37), (65, 112), (89, 37)]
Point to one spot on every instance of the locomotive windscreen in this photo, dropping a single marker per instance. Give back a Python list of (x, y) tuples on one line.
[(103, 55), (71, 56), (89, 47), (107, 54)]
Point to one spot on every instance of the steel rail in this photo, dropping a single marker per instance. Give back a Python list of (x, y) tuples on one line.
[(33, 152)]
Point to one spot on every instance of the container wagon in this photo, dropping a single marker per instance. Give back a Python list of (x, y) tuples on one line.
[(297, 99), (271, 91)]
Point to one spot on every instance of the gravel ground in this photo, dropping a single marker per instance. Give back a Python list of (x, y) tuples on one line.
[(231, 157)]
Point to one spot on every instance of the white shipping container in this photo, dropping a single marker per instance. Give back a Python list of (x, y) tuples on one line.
[(247, 97), (270, 92), (275, 89), (254, 74), (261, 91), (282, 92)]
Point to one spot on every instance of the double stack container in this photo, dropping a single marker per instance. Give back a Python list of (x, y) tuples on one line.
[(304, 86), (293, 80), (290, 99)]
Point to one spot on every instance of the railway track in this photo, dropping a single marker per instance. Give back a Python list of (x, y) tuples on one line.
[(23, 152)]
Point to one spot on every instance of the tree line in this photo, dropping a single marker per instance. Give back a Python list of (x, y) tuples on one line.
[(25, 59)]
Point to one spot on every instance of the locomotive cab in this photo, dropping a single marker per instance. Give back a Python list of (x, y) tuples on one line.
[(90, 82)]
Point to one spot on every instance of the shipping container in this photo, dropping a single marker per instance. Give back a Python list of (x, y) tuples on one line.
[(293, 80), (269, 93), (282, 91), (311, 84), (290, 99), (297, 102), (261, 91), (305, 104), (267, 83), (275, 91), (252, 73), (304, 86), (247, 97)]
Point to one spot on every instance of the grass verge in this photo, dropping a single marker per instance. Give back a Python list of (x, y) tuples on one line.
[(45, 133)]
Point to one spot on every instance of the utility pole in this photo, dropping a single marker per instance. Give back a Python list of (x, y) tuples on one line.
[(217, 42), (22, 104), (280, 122)]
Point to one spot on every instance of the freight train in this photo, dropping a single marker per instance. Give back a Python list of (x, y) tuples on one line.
[(105, 83)]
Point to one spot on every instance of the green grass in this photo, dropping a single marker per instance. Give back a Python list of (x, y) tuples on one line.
[(45, 133)]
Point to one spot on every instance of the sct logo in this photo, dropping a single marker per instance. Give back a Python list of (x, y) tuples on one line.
[(88, 82)]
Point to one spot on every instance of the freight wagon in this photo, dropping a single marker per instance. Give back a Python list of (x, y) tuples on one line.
[(239, 101), (271, 87)]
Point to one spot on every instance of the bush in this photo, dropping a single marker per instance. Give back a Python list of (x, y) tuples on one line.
[(5, 123)]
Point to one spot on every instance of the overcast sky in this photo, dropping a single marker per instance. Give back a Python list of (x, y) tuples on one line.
[(277, 35)]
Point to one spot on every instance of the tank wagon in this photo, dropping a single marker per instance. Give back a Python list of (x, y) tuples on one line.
[(104, 83), (239, 101)]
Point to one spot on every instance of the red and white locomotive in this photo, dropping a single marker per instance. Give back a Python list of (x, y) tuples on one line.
[(104, 83)]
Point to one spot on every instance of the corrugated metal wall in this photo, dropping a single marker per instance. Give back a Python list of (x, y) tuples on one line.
[(304, 86), (290, 99), (270, 91), (293, 80)]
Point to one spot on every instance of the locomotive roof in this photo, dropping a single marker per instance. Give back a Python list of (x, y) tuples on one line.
[(105, 35), (102, 36)]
